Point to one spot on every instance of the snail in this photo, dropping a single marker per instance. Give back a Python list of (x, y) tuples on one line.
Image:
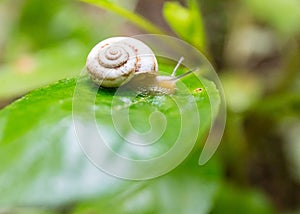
[(128, 62)]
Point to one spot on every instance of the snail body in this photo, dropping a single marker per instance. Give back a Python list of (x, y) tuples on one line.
[(127, 61)]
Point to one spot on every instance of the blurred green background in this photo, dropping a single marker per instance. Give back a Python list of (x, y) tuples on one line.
[(254, 46)]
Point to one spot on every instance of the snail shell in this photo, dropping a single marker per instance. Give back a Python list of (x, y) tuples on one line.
[(116, 60)]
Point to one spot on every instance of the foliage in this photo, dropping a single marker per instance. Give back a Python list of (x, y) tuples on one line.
[(254, 45), (186, 22), (48, 158)]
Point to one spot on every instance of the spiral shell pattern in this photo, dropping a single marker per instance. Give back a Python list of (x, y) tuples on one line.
[(116, 60)]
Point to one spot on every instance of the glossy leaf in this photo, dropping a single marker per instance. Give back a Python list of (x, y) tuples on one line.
[(189, 189), (41, 162)]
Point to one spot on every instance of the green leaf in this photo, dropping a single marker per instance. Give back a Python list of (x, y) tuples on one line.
[(177, 194), (41, 162), (186, 190), (186, 22)]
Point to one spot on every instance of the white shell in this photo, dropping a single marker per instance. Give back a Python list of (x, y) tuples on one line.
[(116, 60)]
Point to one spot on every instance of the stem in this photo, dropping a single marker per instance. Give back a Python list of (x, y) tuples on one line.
[(136, 19)]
